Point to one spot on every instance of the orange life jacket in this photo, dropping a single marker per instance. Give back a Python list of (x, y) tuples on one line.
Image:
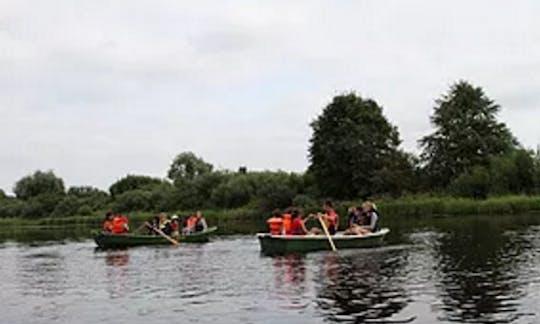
[(118, 224), (287, 221), (275, 225), (191, 222), (107, 226)]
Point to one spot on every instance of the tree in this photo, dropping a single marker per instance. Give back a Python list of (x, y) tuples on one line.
[(351, 142), (187, 166), (39, 183), (466, 134), (133, 182)]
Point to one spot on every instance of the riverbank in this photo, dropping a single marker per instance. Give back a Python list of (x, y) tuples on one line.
[(249, 220)]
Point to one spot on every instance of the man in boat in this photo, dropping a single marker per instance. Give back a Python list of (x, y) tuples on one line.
[(120, 224), (275, 223), (191, 223)]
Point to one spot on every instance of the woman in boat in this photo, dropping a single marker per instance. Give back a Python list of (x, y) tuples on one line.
[(200, 225), (191, 222), (108, 223), (371, 217)]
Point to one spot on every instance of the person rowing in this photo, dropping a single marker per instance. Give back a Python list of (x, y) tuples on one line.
[(298, 225), (330, 218)]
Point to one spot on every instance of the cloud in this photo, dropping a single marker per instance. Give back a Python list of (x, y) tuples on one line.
[(98, 89)]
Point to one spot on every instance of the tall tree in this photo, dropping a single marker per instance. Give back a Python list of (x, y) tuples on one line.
[(351, 142), (39, 183), (466, 134), (186, 166)]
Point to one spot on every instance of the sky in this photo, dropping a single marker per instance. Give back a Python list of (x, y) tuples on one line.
[(95, 90)]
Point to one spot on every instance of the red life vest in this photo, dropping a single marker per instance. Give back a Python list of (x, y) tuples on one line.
[(118, 225), (275, 225), (297, 227), (287, 222)]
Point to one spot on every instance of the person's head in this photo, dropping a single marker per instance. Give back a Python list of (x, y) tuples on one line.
[(296, 213), (358, 210), (328, 206), (109, 216), (174, 218), (367, 206), (289, 210), (198, 214), (276, 212), (162, 217)]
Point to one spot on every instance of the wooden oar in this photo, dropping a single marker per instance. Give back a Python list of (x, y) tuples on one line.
[(160, 232), (325, 229)]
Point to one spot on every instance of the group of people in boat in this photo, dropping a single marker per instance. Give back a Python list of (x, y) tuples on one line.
[(173, 226), (362, 220), (115, 223)]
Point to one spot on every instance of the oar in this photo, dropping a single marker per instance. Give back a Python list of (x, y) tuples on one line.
[(160, 232), (325, 229)]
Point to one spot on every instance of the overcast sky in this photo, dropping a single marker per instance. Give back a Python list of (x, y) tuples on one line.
[(98, 89)]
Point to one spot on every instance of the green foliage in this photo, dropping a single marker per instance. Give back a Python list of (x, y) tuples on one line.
[(39, 183), (466, 134), (132, 200), (187, 166), (351, 144), (133, 182), (474, 184), (2, 195)]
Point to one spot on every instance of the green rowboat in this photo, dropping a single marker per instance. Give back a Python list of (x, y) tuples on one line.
[(284, 244), (109, 241)]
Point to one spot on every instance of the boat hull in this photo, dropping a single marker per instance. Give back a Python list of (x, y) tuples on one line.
[(111, 241), (285, 244)]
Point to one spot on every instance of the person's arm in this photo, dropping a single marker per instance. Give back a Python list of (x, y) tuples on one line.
[(373, 221), (203, 222)]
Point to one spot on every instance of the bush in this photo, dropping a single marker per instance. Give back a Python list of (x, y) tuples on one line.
[(474, 184), (37, 184), (84, 210)]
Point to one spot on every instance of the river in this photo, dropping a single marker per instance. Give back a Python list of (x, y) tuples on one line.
[(448, 270)]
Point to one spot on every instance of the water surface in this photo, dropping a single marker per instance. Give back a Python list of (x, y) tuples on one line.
[(461, 270)]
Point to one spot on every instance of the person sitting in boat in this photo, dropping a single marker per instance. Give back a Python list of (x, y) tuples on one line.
[(108, 223), (287, 221), (330, 218), (371, 217), (275, 223), (298, 225), (189, 227), (120, 224), (165, 224), (200, 225), (175, 226)]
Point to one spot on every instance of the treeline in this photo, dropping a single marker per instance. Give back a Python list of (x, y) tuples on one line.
[(354, 154)]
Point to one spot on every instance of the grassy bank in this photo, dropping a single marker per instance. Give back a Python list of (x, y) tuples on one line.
[(249, 220)]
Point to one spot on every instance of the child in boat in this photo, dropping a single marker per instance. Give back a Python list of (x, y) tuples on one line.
[(108, 223), (275, 223), (175, 226), (120, 224), (330, 218), (298, 225)]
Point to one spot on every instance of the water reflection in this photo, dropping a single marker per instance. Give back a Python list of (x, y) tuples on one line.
[(117, 273), (479, 273), (362, 286)]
